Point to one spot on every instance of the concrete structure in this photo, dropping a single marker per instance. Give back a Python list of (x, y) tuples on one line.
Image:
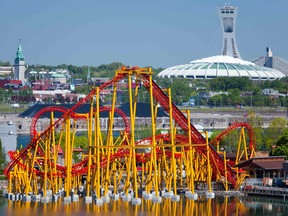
[(220, 66), (228, 64), (19, 66), (228, 16), (273, 62), (8, 136)]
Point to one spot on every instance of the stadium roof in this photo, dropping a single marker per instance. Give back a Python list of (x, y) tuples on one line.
[(221, 66)]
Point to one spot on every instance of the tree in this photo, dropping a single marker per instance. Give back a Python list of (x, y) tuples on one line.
[(227, 83), (180, 90), (276, 128), (229, 142), (257, 123), (281, 148), (2, 155), (234, 97)]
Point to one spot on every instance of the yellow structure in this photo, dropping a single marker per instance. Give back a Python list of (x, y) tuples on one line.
[(116, 165)]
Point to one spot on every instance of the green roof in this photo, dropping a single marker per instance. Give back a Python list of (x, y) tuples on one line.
[(58, 75), (19, 53)]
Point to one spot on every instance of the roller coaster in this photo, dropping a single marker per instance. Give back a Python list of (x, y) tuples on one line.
[(180, 158)]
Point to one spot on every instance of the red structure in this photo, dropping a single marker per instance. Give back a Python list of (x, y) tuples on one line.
[(217, 162)]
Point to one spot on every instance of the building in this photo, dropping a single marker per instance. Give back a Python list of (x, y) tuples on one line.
[(220, 66), (58, 77), (41, 94), (5, 70), (271, 61), (261, 167), (228, 64), (227, 15), (19, 66)]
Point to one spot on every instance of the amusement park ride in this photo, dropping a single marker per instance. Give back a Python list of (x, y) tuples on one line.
[(117, 165)]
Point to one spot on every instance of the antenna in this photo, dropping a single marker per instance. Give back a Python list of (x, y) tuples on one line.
[(88, 75)]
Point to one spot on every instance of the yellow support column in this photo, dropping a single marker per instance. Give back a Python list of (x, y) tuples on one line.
[(98, 200), (191, 193), (109, 142), (68, 160), (55, 155), (208, 193), (225, 168), (135, 200), (88, 198), (45, 171), (153, 163), (175, 196)]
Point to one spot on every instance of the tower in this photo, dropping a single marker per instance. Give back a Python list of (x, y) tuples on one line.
[(228, 16), (88, 75), (19, 67), (268, 58)]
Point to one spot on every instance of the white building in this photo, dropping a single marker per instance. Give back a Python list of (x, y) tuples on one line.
[(228, 64), (228, 16), (5, 70)]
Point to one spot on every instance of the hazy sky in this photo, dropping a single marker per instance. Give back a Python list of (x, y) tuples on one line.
[(154, 33)]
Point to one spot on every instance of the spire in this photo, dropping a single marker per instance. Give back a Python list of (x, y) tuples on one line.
[(88, 75), (19, 53)]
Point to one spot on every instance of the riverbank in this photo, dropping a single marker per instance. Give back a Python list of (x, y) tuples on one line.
[(3, 186)]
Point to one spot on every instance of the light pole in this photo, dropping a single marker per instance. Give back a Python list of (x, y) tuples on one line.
[(286, 105), (251, 102)]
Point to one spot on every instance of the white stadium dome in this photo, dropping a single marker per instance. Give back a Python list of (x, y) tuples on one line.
[(221, 66)]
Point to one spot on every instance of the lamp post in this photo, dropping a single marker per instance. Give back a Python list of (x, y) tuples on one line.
[(286, 106), (251, 102)]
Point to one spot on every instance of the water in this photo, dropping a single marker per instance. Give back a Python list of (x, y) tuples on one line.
[(243, 206), (22, 140), (222, 206)]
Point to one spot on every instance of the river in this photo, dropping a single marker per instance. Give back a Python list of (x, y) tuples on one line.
[(219, 206)]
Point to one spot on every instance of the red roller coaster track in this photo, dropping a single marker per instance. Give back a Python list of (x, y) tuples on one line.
[(181, 120), (160, 96), (232, 127), (33, 131)]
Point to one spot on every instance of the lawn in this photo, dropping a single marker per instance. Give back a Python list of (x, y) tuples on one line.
[(8, 109)]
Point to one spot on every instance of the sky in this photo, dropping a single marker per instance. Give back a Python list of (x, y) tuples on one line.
[(153, 33)]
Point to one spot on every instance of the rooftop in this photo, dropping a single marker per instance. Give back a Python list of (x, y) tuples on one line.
[(220, 66)]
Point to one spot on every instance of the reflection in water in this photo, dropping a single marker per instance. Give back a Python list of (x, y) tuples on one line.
[(220, 206)]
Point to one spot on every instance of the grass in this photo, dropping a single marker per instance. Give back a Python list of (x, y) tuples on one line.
[(234, 109), (7, 109), (3, 177)]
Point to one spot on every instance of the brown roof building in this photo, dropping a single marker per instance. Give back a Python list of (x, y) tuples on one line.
[(261, 167)]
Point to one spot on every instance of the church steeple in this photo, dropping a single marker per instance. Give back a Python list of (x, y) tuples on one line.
[(19, 53), (19, 66)]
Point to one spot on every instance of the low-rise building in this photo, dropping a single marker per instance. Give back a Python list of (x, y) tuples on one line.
[(5, 70)]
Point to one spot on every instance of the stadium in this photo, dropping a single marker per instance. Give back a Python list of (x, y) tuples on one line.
[(228, 64)]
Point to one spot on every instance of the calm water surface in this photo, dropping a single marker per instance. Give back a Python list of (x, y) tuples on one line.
[(221, 206)]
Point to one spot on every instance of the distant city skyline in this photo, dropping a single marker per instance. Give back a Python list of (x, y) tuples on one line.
[(148, 33)]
